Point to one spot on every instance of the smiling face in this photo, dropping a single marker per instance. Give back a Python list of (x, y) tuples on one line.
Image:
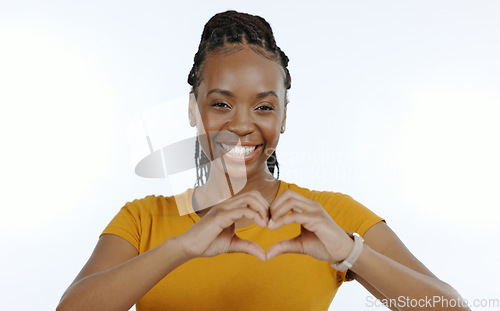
[(241, 102)]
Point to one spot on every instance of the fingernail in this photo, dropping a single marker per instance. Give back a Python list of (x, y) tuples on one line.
[(263, 222), (270, 224)]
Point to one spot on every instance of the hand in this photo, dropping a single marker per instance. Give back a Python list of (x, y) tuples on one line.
[(215, 233), (320, 235)]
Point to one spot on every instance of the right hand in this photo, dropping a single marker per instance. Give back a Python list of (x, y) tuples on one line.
[(215, 233)]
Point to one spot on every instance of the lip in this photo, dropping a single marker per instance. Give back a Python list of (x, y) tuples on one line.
[(241, 143), (228, 156)]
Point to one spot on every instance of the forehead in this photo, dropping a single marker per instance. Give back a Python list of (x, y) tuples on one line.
[(244, 72)]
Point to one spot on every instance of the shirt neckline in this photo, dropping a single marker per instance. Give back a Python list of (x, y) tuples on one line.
[(195, 217)]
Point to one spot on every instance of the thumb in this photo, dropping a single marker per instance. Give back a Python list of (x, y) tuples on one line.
[(286, 246), (238, 245)]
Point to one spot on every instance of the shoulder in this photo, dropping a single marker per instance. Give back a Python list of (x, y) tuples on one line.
[(152, 205), (348, 213), (329, 199), (137, 217)]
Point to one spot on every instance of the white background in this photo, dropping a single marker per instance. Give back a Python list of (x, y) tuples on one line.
[(395, 103)]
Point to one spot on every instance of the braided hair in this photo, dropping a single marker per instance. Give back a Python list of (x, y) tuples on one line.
[(223, 33)]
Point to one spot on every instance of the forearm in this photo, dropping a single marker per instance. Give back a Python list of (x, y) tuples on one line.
[(403, 285), (120, 287)]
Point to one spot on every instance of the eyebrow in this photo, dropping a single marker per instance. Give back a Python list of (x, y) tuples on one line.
[(231, 94), (265, 94), (220, 91)]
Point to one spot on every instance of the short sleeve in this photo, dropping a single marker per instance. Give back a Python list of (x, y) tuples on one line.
[(351, 215), (126, 223)]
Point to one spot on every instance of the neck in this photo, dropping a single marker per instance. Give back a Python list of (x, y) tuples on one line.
[(259, 181), (220, 187)]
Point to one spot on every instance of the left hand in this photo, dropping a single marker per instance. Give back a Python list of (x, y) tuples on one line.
[(321, 237)]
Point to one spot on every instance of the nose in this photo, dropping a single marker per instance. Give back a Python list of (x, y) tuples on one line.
[(241, 122)]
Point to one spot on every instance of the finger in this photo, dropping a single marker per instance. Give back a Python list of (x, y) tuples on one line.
[(297, 218), (291, 202), (293, 206), (225, 218), (259, 203), (256, 194), (248, 247), (287, 194), (210, 226), (286, 246), (284, 207), (252, 200)]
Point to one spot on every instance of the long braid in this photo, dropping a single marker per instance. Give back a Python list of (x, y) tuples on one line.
[(202, 164), (224, 30)]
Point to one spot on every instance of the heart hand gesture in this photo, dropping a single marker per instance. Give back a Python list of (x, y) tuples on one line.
[(321, 237), (215, 233)]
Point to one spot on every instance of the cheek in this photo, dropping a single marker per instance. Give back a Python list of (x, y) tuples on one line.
[(212, 125), (271, 131), (271, 134), (212, 120)]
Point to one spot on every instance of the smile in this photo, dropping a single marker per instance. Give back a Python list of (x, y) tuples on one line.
[(238, 151)]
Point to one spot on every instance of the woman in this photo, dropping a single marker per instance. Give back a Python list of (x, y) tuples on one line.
[(219, 247)]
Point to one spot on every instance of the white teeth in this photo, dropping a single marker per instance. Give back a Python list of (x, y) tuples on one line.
[(239, 151)]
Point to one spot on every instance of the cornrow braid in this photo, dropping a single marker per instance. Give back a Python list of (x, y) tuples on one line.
[(235, 27), (224, 32)]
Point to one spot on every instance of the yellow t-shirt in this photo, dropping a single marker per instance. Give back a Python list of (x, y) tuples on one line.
[(238, 281)]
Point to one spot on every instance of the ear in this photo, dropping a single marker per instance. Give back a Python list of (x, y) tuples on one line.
[(192, 110), (283, 122)]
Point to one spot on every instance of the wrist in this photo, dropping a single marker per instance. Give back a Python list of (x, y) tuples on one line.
[(353, 255), (347, 249), (175, 246), (364, 258)]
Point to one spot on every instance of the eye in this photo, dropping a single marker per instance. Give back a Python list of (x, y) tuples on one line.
[(220, 105), (265, 108)]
